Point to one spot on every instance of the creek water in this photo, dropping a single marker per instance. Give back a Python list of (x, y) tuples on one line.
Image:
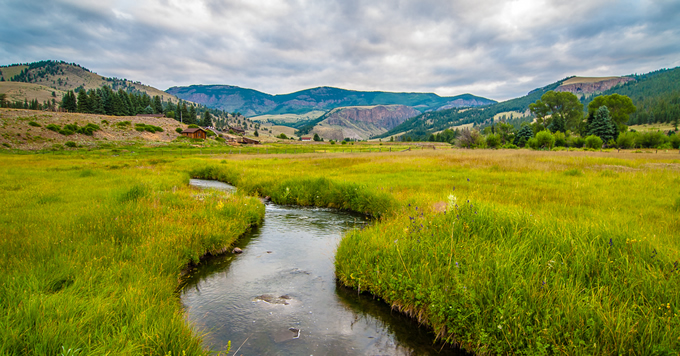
[(280, 296)]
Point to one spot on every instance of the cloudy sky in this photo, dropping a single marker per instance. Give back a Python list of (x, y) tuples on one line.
[(496, 49)]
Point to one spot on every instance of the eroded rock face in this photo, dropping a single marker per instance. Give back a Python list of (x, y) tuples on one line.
[(362, 122), (593, 87)]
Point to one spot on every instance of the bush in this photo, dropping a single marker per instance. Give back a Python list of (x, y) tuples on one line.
[(179, 130), (510, 146), (283, 136), (53, 127), (34, 124), (560, 139), (675, 141), (208, 133), (123, 124), (626, 140), (532, 143), (593, 142), (193, 126), (577, 142), (545, 139), (148, 128), (493, 141), (651, 139), (343, 142), (70, 144)]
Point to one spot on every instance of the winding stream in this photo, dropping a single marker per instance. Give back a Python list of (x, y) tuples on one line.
[(280, 297)]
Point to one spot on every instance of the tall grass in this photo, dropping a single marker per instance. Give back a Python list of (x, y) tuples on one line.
[(91, 254), (500, 281)]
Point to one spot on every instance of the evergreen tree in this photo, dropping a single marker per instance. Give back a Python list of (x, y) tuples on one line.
[(69, 102), (207, 119), (192, 114), (602, 125), (184, 114), (524, 134), (157, 105), (83, 102)]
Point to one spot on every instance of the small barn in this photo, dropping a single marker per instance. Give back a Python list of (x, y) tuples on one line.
[(195, 133), (305, 138), (237, 130), (249, 141)]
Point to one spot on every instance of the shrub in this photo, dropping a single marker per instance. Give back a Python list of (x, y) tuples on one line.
[(6, 145), (33, 123), (493, 141), (179, 130), (105, 122), (560, 139), (573, 172), (70, 144), (510, 146), (283, 136), (207, 133), (593, 142), (532, 143), (53, 127), (675, 141), (343, 142), (545, 139), (577, 142), (193, 126), (650, 139), (123, 124), (57, 147), (626, 140)]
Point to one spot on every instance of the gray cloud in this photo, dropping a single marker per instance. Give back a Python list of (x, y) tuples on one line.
[(497, 49)]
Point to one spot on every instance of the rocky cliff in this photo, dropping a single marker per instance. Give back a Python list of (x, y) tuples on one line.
[(362, 122), (588, 86)]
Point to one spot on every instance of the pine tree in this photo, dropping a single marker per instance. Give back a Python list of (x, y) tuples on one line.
[(207, 119), (157, 105), (83, 102), (192, 115), (602, 125)]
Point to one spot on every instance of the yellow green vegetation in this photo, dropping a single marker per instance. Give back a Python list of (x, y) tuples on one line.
[(562, 252), (509, 251), (91, 253)]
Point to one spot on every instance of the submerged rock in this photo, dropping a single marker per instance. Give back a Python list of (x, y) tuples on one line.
[(271, 299)]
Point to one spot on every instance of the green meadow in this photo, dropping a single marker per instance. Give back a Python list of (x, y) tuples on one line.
[(499, 251)]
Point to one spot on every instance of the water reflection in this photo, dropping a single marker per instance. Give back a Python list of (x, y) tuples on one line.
[(280, 296)]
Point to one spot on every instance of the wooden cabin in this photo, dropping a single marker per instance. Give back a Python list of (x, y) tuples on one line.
[(195, 133), (249, 141)]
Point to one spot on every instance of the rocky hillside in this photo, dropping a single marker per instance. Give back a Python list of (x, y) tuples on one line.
[(585, 86), (252, 102), (361, 122), (31, 130)]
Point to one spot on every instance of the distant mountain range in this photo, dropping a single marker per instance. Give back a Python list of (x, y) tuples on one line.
[(251, 102), (655, 94)]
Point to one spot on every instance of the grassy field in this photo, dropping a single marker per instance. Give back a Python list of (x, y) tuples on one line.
[(92, 250), (510, 251)]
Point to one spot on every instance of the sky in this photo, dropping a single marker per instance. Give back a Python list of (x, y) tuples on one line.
[(495, 49)]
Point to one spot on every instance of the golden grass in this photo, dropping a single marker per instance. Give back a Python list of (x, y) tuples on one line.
[(579, 80)]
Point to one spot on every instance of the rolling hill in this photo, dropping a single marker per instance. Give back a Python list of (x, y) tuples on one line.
[(656, 96), (253, 103), (29, 81)]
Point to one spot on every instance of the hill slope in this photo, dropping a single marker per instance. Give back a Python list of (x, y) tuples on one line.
[(61, 76), (358, 122), (17, 132), (252, 102), (421, 126)]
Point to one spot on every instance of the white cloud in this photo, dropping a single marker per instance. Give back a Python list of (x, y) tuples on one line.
[(497, 49)]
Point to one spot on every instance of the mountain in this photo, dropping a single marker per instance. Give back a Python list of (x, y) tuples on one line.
[(656, 96), (252, 102), (33, 80), (588, 86), (421, 126), (358, 122)]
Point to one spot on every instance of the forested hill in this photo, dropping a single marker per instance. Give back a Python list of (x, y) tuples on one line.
[(252, 102), (420, 127), (656, 95), (61, 77)]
